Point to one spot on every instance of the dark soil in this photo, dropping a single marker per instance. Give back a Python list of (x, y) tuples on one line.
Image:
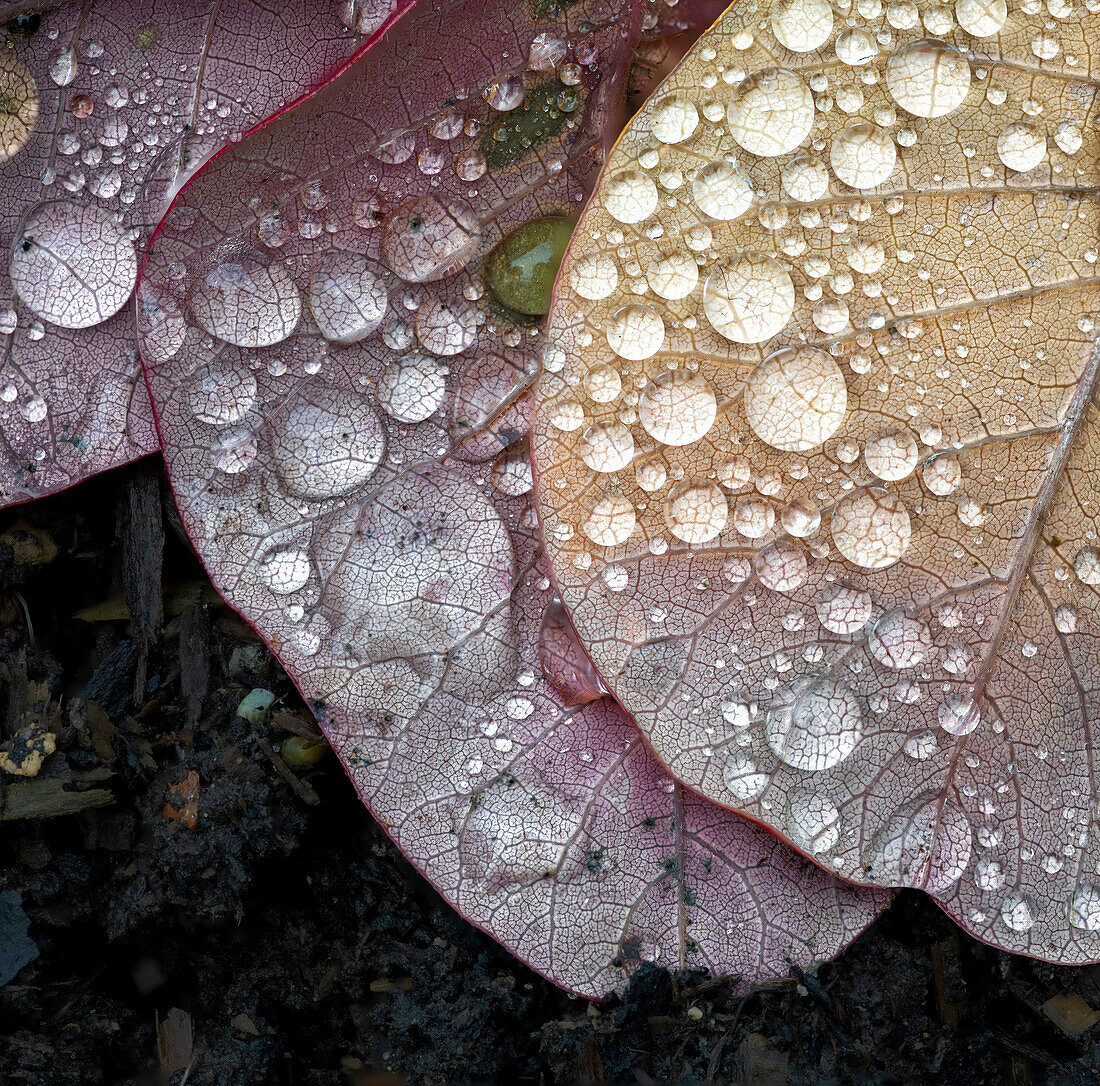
[(282, 939)]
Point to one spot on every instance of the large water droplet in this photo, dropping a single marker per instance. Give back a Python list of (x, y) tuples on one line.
[(959, 715), (928, 78), (678, 407), (72, 264), (520, 271), (564, 662), (606, 447), (1021, 147), (285, 570), (248, 304), (740, 775), (771, 112), (720, 191), (430, 238), (796, 399), (611, 521), (220, 396), (630, 196), (750, 299), (1018, 913), (18, 105), (636, 332), (594, 277), (1084, 908), (674, 119), (844, 610), (871, 528), (447, 327), (863, 156), (328, 443), (814, 822), (981, 18), (900, 641), (802, 25), (413, 388), (926, 845), (696, 513), (348, 297), (814, 724)]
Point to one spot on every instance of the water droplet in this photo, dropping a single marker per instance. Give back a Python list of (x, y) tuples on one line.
[(1084, 908), (871, 528), (802, 25), (796, 399), (771, 112), (348, 297), (1021, 147), (234, 450), (814, 724), (678, 407), (1018, 913), (696, 513), (674, 119), (863, 156), (611, 521), (62, 66), (981, 18), (72, 264), (674, 277), (520, 271), (900, 641), (855, 48), (630, 196), (1065, 619), (285, 570), (447, 327), (594, 277), (844, 610), (891, 456), (928, 78), (18, 105), (1086, 565), (564, 662), (805, 180), (248, 304), (782, 567), (750, 299), (606, 447), (942, 475), (429, 238), (505, 94), (925, 844), (989, 874), (220, 397), (636, 332), (740, 775), (815, 822), (720, 191), (413, 388), (959, 715), (327, 443)]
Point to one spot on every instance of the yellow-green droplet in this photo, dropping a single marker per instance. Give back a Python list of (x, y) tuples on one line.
[(298, 751), (520, 271)]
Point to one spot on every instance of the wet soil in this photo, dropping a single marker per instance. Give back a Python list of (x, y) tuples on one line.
[(198, 913)]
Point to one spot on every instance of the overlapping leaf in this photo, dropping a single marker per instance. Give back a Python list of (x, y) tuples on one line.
[(817, 455), (105, 108), (344, 421)]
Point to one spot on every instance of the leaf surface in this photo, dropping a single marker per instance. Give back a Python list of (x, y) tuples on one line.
[(817, 459), (105, 109), (344, 419)]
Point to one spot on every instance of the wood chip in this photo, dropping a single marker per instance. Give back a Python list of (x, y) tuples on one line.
[(1070, 1013), (48, 798)]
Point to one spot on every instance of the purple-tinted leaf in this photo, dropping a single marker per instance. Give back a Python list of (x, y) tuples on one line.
[(344, 424), (817, 466), (106, 109)]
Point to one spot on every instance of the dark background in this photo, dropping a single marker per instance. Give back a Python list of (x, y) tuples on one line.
[(282, 939)]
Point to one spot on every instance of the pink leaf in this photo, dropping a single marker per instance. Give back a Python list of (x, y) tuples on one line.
[(845, 279), (343, 417), (114, 105)]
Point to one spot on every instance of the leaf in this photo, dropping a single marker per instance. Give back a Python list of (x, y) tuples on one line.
[(817, 459), (105, 109), (344, 421)]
